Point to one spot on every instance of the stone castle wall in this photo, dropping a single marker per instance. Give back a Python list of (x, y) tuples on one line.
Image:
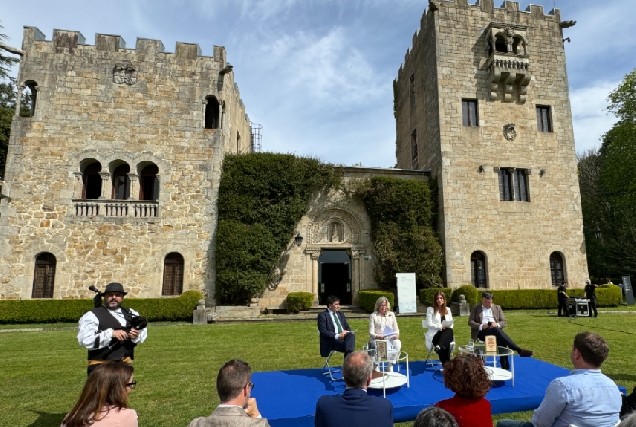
[(115, 105), (516, 237)]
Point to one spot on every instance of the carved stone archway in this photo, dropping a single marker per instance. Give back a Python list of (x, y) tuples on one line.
[(335, 228)]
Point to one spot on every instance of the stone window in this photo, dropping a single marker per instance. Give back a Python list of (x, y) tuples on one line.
[(172, 274), (149, 183), (414, 156), (469, 112), (44, 276), (557, 268), (544, 118), (211, 113), (121, 182), (501, 44), (31, 95), (518, 47), (92, 181), (521, 185), (506, 189), (238, 142), (478, 273)]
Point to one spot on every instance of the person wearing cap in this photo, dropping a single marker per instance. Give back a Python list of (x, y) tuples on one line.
[(103, 330), (488, 319)]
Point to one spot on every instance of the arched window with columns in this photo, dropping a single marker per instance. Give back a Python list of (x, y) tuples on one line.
[(92, 181), (121, 182), (149, 183)]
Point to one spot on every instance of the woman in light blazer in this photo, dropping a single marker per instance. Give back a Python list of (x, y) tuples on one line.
[(383, 316), (439, 335)]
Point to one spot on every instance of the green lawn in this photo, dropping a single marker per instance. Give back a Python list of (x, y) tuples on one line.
[(43, 372)]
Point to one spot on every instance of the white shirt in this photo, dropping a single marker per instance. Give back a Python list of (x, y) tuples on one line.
[(486, 316), (89, 324)]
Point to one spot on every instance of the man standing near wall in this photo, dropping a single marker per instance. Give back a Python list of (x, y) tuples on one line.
[(563, 299)]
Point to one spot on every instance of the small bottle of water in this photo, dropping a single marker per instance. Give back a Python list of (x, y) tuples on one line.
[(471, 346)]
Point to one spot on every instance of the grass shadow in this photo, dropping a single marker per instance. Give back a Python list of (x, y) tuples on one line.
[(45, 419)]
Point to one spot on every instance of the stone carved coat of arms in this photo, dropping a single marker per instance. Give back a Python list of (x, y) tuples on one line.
[(124, 74)]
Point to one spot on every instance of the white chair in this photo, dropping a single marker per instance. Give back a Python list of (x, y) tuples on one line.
[(429, 346)]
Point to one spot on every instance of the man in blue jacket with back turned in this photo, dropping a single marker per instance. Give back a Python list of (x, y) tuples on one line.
[(354, 408)]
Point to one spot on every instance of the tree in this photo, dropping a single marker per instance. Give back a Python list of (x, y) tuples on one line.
[(607, 180), (7, 101)]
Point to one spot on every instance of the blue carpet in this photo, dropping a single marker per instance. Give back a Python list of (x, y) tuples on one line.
[(288, 398)]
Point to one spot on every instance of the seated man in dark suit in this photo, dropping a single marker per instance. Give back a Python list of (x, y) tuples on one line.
[(354, 408), (488, 319), (335, 333)]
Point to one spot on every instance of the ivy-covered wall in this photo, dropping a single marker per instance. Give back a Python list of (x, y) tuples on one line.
[(262, 196), (402, 214)]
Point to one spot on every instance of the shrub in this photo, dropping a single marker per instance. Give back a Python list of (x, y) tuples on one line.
[(427, 294), (472, 294), (536, 298), (402, 230), (368, 297), (262, 196), (64, 311), (299, 301)]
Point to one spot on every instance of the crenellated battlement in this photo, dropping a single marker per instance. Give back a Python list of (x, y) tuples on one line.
[(508, 13), (66, 41)]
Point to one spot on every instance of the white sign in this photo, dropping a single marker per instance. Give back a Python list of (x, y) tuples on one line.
[(407, 293)]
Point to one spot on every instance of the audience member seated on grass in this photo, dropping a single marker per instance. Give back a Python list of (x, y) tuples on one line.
[(104, 399), (439, 322), (434, 417), (585, 398), (237, 408), (354, 408), (382, 317), (467, 377), (488, 319), (629, 421)]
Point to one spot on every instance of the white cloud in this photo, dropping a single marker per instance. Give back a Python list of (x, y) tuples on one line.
[(590, 119)]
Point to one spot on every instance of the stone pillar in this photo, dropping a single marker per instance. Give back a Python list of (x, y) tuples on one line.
[(355, 276), (106, 190), (78, 185), (314, 275), (134, 186)]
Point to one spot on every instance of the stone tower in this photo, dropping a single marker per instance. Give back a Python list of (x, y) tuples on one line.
[(482, 101), (114, 177)]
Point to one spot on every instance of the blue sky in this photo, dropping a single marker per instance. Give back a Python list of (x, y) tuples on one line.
[(317, 74)]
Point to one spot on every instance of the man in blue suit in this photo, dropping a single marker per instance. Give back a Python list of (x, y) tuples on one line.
[(354, 408), (335, 333)]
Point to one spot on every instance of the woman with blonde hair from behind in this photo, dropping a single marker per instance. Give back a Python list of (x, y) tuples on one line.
[(104, 399), (382, 317)]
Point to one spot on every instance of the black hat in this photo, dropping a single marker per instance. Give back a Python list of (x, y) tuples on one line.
[(114, 287)]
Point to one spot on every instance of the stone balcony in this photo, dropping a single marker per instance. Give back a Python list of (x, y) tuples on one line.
[(116, 208), (513, 71)]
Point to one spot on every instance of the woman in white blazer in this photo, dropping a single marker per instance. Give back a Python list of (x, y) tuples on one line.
[(381, 317), (439, 335)]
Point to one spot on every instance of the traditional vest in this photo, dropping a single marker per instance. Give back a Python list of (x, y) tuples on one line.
[(115, 350)]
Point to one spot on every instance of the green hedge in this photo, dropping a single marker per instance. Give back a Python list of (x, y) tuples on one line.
[(299, 301), (606, 296), (427, 294), (368, 297), (64, 311)]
